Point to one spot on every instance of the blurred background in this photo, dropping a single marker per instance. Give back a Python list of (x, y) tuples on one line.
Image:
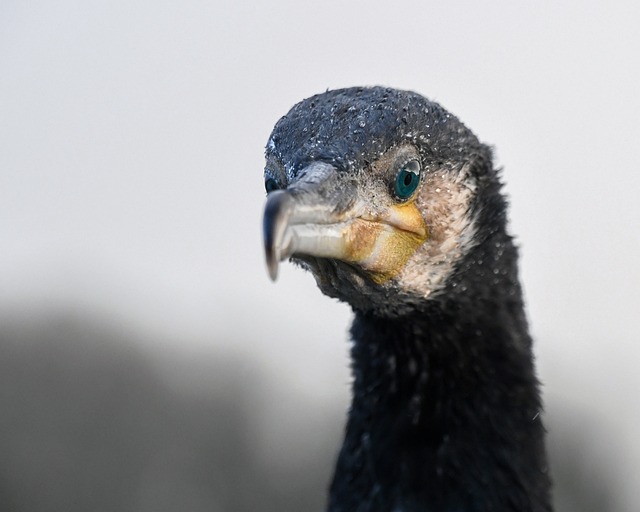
[(147, 363)]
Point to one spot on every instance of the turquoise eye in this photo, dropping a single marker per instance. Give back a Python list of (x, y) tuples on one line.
[(407, 180), (270, 185)]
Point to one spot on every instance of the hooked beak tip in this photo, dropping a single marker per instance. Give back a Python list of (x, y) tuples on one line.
[(272, 264), (275, 222)]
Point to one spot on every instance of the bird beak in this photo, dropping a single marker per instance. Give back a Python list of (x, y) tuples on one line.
[(320, 215)]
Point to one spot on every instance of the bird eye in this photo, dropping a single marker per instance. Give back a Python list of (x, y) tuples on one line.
[(407, 180), (270, 185)]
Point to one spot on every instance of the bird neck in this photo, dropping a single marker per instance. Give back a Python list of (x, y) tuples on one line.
[(445, 413)]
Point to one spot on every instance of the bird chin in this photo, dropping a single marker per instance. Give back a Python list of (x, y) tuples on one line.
[(337, 279), (351, 284)]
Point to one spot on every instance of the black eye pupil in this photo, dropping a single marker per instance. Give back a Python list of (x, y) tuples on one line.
[(270, 185), (408, 178)]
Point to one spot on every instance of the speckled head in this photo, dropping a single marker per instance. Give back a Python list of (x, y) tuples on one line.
[(376, 191), (351, 128)]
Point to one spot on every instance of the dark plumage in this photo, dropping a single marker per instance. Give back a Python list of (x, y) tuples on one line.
[(395, 207)]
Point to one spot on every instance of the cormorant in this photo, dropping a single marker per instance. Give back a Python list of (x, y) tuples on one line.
[(395, 207)]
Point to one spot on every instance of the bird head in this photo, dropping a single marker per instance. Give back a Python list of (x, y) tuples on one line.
[(377, 192)]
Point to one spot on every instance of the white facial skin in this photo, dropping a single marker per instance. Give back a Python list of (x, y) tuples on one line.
[(445, 200)]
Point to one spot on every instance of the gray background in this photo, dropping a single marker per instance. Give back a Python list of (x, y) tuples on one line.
[(131, 154)]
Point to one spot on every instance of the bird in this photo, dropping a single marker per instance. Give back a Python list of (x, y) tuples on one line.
[(396, 208)]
